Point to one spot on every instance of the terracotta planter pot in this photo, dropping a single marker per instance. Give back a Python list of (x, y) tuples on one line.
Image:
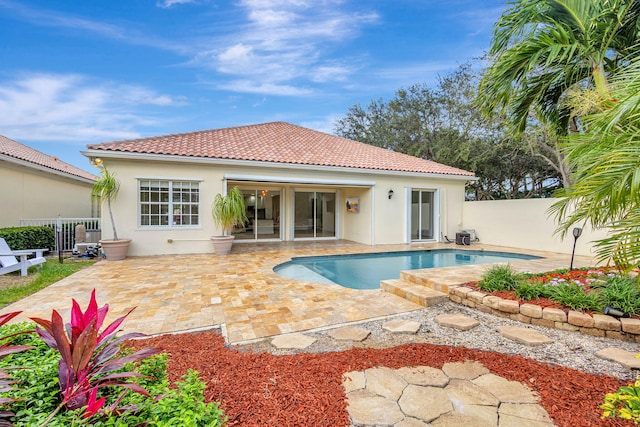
[(222, 244), (115, 250)]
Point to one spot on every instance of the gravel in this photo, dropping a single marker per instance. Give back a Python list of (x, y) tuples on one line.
[(570, 349)]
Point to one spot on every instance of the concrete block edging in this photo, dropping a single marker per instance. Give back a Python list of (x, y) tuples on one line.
[(596, 325)]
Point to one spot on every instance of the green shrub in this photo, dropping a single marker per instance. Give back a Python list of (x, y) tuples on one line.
[(37, 387), (531, 290), (500, 278), (575, 297), (621, 292), (32, 237), (625, 403)]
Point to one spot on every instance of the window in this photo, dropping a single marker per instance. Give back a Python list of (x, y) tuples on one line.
[(169, 203)]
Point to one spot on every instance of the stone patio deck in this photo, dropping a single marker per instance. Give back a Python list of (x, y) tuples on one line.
[(240, 292)]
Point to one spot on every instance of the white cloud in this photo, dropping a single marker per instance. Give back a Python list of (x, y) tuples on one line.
[(326, 124), (286, 44), (168, 3), (265, 88), (53, 107)]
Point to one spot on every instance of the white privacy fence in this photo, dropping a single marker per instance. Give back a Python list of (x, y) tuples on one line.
[(65, 229)]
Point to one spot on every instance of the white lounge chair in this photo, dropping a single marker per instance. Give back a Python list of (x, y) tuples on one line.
[(9, 259)]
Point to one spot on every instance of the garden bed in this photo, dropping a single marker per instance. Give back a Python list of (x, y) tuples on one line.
[(257, 389)]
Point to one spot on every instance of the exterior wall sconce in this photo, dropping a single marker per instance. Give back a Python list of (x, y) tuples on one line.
[(97, 161), (577, 232), (390, 193)]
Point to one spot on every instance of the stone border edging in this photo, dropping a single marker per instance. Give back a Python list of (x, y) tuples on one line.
[(598, 325)]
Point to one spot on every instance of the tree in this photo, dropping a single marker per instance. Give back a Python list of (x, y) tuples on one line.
[(444, 124), (543, 52), (606, 159), (544, 49)]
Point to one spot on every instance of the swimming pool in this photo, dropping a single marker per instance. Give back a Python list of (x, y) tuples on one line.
[(365, 271)]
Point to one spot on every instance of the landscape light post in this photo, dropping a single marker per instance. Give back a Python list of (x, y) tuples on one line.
[(577, 232)]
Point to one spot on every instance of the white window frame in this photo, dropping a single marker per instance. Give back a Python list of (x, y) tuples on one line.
[(172, 184)]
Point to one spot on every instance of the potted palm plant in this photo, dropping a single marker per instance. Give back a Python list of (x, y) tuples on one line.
[(106, 188), (228, 211)]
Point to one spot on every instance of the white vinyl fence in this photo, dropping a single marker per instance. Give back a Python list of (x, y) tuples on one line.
[(65, 229)]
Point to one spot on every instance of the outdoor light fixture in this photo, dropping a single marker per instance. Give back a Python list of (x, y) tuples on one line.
[(97, 161), (390, 193), (577, 232)]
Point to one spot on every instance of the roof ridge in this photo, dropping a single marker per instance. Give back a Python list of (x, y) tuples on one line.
[(20, 151), (279, 142)]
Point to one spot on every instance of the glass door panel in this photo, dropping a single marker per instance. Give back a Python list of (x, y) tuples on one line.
[(422, 214), (304, 206), (314, 214), (262, 208)]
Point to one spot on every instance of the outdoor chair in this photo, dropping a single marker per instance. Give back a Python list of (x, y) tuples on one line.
[(9, 261)]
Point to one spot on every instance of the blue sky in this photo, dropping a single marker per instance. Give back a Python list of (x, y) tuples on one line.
[(78, 72)]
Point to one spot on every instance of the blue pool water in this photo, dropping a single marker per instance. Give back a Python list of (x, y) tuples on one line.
[(365, 271)]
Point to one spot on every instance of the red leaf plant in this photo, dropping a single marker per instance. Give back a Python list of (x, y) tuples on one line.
[(5, 379), (89, 355)]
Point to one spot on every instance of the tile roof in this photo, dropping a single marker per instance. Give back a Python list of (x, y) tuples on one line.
[(14, 149), (279, 142)]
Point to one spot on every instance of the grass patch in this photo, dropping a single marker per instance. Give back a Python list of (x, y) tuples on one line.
[(51, 272)]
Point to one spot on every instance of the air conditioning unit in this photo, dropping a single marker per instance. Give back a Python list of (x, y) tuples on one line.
[(463, 239)]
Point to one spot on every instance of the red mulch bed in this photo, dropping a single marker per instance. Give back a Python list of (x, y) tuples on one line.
[(306, 389)]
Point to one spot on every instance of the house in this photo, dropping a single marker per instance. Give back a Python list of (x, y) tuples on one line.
[(298, 184), (36, 185)]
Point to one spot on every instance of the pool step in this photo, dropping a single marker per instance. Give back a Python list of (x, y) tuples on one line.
[(413, 292), (441, 279)]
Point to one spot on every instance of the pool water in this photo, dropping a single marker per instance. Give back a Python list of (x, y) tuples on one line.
[(365, 271)]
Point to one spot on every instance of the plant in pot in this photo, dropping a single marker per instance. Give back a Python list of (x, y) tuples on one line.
[(228, 211), (106, 188)]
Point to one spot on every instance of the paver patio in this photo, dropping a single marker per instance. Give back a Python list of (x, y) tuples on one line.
[(239, 292)]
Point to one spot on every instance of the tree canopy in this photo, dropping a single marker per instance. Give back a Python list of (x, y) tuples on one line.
[(444, 124)]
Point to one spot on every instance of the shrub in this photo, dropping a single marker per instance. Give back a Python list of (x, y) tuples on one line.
[(531, 290), (38, 394), (89, 357), (625, 403), (7, 349), (575, 297), (621, 292), (500, 278), (32, 237)]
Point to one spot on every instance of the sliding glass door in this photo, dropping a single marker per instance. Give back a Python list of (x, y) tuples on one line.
[(314, 215), (422, 215), (263, 214)]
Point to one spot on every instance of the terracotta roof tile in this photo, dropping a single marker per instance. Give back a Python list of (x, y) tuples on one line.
[(279, 142), (11, 148)]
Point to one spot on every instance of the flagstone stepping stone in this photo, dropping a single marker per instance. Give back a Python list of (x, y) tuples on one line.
[(505, 390), (626, 358), (401, 326), (411, 422), (370, 409), (292, 341), (525, 411), (353, 381), (350, 333), (464, 370), (385, 382), (525, 336), (423, 375), (456, 321), (425, 403)]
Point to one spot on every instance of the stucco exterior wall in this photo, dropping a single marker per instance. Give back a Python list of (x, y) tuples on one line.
[(380, 221), (30, 193), (523, 224)]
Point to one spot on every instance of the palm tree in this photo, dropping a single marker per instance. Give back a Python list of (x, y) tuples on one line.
[(543, 50), (607, 163)]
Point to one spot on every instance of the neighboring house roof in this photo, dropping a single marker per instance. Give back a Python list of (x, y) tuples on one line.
[(17, 151), (279, 142)]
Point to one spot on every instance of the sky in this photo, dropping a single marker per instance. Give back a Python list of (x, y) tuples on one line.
[(78, 72)]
